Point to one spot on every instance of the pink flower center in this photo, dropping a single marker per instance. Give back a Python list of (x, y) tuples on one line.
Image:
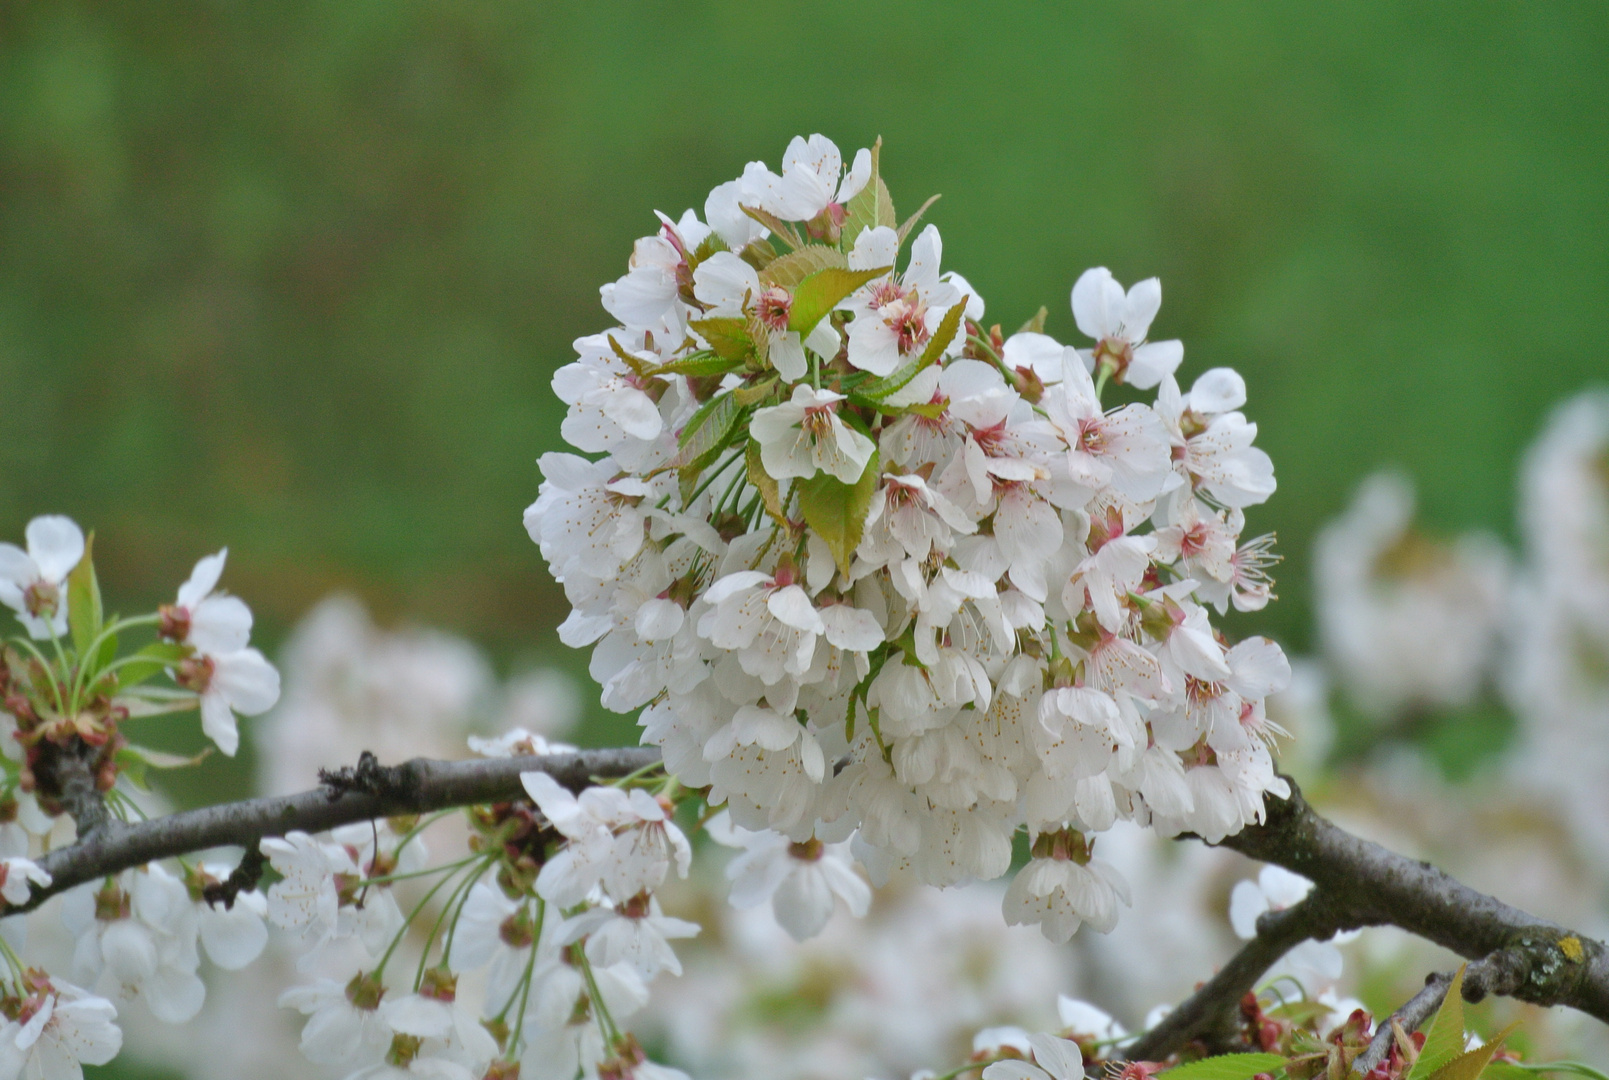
[(1115, 354), (817, 422), (41, 599), (773, 308)]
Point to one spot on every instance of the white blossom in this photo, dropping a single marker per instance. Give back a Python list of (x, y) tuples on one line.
[(33, 582)]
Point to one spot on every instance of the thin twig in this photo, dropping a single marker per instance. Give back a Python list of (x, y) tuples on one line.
[(1209, 1014)]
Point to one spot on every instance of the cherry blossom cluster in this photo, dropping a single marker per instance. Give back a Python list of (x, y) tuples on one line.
[(879, 576), (68, 685)]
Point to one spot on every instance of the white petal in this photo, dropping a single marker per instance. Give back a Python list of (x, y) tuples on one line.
[(219, 624), (1143, 302), (56, 543), (1246, 903), (803, 903), (1096, 298), (203, 579), (1217, 391), (874, 248), (233, 937), (249, 680), (1153, 362), (788, 356), (218, 722)]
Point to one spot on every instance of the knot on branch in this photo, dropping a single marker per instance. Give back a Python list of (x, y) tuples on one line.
[(1539, 966), (369, 778), (68, 777), (243, 878)]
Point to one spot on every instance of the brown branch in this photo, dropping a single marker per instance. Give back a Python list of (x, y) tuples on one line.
[(1209, 1015), (419, 786), (1363, 884)]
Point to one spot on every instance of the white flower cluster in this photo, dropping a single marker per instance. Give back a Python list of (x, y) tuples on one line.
[(1556, 675), (141, 934), (557, 912), (872, 571), (1409, 623)]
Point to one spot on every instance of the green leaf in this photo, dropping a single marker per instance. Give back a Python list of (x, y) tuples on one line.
[(728, 337), (819, 293), (161, 759), (706, 247), (711, 430), (764, 483), (134, 761), (1506, 1070), (1035, 325), (1226, 1067), (837, 511), (149, 661), (1445, 1039), (84, 615), (791, 269), (758, 254), (949, 326), (775, 224), (1471, 1064), (910, 222), (755, 392), (700, 364), (638, 366), (705, 428), (930, 409), (871, 206)]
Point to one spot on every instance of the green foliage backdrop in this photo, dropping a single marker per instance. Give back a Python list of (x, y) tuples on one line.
[(293, 277)]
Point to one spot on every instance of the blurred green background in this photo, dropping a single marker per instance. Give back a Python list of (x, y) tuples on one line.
[(293, 277)]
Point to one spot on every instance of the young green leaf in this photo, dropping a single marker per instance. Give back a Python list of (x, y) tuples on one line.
[(1035, 325), (1445, 1040), (708, 429), (910, 222), (755, 392), (84, 615), (1472, 1064), (869, 207), (149, 661), (699, 365), (161, 759), (837, 511), (762, 481), (791, 269), (758, 254), (776, 225), (1225, 1067), (728, 337), (636, 364), (819, 293), (706, 247)]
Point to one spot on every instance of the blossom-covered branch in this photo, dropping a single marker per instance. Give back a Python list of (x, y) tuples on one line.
[(419, 786)]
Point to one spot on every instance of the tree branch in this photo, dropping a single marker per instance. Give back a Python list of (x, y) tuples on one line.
[(1209, 1014), (1503, 972), (1363, 884), (414, 787), (1357, 883)]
